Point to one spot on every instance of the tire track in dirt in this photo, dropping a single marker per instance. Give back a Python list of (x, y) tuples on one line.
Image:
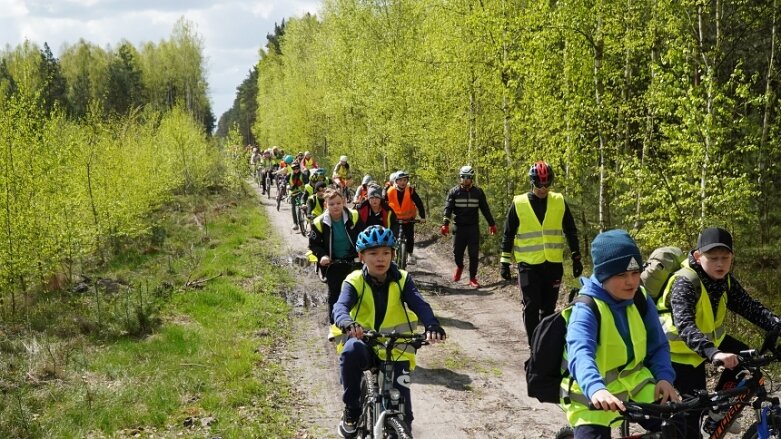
[(472, 386)]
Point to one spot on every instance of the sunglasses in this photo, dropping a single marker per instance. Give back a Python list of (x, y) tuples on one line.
[(540, 186)]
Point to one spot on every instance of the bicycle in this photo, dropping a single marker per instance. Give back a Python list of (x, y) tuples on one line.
[(296, 206), (322, 272), (401, 245), (382, 406), (750, 391), (281, 190), (305, 222), (270, 180)]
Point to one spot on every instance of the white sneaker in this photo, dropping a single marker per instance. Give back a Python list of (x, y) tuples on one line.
[(411, 259)]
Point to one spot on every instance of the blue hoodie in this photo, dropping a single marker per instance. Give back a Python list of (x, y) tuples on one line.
[(582, 347)]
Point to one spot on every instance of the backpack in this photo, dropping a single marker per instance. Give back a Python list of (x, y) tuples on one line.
[(659, 268), (545, 366)]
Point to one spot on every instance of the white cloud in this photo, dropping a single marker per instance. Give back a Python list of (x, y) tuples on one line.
[(12, 9), (233, 31)]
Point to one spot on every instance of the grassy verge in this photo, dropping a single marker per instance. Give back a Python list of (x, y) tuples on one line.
[(180, 343)]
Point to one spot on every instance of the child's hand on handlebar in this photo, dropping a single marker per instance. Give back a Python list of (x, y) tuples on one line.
[(602, 399), (730, 361), (665, 391)]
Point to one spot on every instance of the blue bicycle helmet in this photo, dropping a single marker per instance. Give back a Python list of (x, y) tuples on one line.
[(288, 159), (373, 237)]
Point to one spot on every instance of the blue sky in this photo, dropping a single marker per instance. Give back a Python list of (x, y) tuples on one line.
[(232, 30)]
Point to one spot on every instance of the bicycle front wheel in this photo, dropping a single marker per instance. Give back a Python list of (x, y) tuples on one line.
[(394, 424)]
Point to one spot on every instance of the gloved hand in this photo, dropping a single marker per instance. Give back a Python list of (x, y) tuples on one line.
[(505, 271), (435, 332), (352, 329), (445, 229), (492, 229), (577, 266)]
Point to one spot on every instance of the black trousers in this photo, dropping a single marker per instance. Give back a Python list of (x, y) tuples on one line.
[(335, 275), (408, 229), (539, 285), (689, 379), (467, 237)]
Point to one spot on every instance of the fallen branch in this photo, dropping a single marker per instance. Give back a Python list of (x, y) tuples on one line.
[(199, 283)]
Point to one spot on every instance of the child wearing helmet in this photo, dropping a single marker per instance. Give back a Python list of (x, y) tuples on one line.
[(363, 190), (406, 204), (341, 174), (378, 297)]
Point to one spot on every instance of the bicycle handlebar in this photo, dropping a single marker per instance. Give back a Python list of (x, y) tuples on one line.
[(416, 340)]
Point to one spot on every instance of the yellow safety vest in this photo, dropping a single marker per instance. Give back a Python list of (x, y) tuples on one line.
[(710, 324), (625, 381), (397, 317), (536, 243)]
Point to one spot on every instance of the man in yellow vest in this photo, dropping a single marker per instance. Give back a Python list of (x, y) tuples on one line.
[(383, 298), (692, 310), (534, 231)]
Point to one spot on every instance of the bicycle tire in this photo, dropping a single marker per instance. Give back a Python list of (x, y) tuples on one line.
[(366, 422), (268, 184), (396, 425), (565, 433), (304, 227), (402, 257)]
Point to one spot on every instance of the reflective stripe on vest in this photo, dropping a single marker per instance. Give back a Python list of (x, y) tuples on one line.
[(397, 317), (536, 243), (712, 327), (626, 381), (407, 209)]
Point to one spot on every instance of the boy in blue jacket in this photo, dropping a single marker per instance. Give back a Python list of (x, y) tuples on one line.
[(624, 356)]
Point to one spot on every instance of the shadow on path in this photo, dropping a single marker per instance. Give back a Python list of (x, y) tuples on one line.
[(442, 377)]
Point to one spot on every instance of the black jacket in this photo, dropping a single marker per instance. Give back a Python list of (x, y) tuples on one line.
[(683, 303), (321, 234), (463, 205)]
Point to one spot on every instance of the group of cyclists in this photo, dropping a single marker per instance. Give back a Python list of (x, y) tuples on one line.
[(657, 354)]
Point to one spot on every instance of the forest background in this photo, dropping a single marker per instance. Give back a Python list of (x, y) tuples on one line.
[(658, 117)]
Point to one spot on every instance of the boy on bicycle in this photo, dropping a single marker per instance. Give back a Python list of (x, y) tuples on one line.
[(623, 355), (693, 309), (332, 241), (383, 298)]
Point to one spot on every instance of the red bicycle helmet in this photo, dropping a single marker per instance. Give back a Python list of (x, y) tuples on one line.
[(541, 174)]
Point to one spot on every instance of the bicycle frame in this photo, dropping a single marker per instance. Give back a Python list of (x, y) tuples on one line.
[(381, 399), (401, 244)]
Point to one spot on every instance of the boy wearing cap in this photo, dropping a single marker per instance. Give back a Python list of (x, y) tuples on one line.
[(623, 355), (692, 310)]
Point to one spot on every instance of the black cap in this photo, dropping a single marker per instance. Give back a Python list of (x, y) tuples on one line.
[(713, 237)]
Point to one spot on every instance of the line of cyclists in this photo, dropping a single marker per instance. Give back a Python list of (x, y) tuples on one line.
[(693, 311)]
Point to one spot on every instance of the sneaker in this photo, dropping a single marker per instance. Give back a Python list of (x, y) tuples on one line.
[(295, 227), (349, 425), (411, 260), (474, 283), (457, 274)]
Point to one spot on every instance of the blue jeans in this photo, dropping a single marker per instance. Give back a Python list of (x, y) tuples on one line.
[(357, 357)]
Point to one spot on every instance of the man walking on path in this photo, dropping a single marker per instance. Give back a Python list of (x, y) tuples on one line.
[(534, 232), (463, 202)]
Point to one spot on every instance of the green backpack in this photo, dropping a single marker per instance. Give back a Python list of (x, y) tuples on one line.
[(659, 268)]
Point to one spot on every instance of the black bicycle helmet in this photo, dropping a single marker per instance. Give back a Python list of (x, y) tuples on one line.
[(373, 237)]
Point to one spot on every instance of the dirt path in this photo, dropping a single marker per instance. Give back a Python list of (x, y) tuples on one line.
[(470, 387)]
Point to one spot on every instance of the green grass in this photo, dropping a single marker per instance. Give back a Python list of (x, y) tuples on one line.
[(75, 369)]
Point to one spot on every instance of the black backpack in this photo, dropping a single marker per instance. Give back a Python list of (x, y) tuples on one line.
[(546, 360)]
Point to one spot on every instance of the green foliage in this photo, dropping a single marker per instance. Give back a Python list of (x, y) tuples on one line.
[(657, 117)]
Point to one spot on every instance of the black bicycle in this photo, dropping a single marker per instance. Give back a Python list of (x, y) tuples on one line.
[(382, 405), (402, 252)]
